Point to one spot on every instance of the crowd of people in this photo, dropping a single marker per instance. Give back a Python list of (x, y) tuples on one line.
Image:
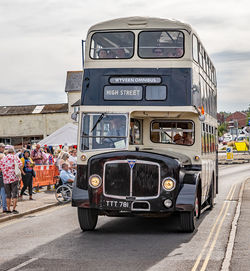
[(16, 166)]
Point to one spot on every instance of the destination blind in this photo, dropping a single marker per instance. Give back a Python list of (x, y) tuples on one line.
[(135, 80), (123, 93)]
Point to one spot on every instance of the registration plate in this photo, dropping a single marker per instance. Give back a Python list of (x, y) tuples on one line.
[(117, 204)]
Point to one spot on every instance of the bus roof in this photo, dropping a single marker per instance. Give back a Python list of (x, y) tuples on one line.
[(140, 23)]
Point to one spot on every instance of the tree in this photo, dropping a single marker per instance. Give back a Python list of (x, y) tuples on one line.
[(222, 129), (248, 117)]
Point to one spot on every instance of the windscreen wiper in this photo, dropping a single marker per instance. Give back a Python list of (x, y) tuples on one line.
[(99, 120)]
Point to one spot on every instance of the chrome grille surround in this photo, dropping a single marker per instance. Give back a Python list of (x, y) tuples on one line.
[(131, 180)]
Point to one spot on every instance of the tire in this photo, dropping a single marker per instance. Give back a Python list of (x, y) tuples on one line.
[(210, 200), (188, 219), (63, 194), (87, 218)]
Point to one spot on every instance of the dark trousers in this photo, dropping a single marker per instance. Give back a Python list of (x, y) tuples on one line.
[(27, 182)]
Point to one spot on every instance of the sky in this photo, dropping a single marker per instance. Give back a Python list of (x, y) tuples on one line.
[(40, 40)]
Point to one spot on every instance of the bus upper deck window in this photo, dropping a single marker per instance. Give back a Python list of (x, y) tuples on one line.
[(161, 44), (112, 45)]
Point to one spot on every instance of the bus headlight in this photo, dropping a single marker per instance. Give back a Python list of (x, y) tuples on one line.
[(168, 184), (95, 181)]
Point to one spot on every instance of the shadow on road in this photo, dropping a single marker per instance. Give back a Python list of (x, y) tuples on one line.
[(117, 244)]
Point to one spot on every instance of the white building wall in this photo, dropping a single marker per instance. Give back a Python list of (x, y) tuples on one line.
[(32, 125), (73, 96)]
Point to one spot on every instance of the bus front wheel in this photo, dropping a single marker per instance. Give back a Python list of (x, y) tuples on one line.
[(87, 218), (188, 219)]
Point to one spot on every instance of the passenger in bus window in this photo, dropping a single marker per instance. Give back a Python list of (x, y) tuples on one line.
[(120, 53), (170, 53), (178, 139), (178, 52), (158, 52), (187, 138), (102, 53)]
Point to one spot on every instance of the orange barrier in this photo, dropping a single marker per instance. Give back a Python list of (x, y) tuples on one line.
[(45, 175)]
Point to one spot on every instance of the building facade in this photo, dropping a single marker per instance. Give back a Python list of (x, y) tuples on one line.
[(238, 117), (73, 89), (20, 125)]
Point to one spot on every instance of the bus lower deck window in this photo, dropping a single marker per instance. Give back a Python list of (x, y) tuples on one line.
[(172, 132)]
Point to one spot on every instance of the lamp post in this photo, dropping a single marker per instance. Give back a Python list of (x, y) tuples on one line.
[(233, 126)]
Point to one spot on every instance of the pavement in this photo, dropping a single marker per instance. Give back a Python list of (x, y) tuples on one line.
[(241, 250), (238, 158), (42, 200)]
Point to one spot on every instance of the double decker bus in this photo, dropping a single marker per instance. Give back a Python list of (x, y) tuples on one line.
[(147, 123)]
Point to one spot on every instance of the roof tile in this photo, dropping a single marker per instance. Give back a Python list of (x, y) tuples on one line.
[(28, 109)]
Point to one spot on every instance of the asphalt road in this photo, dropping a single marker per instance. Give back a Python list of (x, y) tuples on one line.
[(52, 239)]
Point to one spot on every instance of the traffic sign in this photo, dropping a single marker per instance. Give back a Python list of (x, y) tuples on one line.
[(248, 122), (229, 152)]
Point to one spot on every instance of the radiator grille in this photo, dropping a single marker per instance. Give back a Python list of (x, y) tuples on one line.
[(139, 180)]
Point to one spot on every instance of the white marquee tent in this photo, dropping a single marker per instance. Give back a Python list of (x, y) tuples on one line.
[(66, 135)]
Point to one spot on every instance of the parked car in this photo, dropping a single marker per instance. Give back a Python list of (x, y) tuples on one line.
[(227, 138), (242, 137)]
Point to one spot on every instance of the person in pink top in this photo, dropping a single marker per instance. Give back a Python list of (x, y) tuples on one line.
[(38, 156), (10, 180)]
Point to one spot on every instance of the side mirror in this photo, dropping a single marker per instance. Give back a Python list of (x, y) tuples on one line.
[(200, 112), (74, 116)]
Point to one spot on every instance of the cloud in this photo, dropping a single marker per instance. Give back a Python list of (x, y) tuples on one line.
[(40, 40), (232, 56)]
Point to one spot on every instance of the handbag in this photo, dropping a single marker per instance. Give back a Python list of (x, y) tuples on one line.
[(17, 169)]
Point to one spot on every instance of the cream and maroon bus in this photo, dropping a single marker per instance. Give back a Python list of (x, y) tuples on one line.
[(147, 123)]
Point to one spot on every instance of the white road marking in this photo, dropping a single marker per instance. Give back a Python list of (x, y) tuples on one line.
[(229, 196), (204, 266), (230, 246), (23, 264)]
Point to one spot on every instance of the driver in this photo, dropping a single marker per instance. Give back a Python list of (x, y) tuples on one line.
[(117, 130), (117, 127)]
